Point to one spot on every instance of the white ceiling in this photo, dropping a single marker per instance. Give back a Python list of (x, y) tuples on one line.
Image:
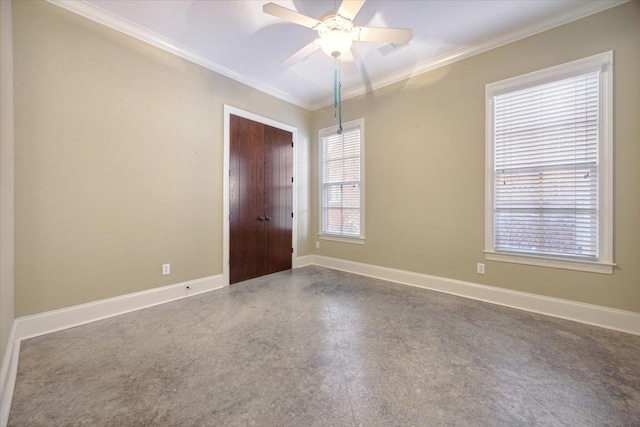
[(237, 39)]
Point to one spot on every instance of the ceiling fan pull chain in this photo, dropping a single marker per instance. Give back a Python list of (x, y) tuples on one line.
[(335, 88), (339, 96)]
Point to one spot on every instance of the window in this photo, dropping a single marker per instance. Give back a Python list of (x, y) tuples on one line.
[(341, 182), (549, 167)]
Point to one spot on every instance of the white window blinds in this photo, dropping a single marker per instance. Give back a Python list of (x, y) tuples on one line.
[(546, 169), (341, 183)]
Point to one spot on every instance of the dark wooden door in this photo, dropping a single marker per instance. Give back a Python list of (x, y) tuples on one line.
[(260, 199), (246, 198), (278, 178)]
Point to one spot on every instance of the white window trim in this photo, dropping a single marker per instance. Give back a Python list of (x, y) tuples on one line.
[(342, 239), (359, 123), (604, 63)]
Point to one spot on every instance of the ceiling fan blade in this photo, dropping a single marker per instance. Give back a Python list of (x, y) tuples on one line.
[(384, 35), (301, 54), (348, 63), (289, 15), (350, 8)]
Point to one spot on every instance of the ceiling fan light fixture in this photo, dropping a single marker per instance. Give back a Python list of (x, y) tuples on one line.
[(335, 42)]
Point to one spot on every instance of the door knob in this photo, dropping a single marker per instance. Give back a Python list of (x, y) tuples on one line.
[(261, 218), (268, 218)]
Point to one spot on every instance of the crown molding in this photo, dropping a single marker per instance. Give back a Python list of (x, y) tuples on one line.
[(587, 8), (122, 25), (117, 23)]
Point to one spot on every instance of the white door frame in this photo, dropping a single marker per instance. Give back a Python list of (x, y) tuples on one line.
[(228, 111)]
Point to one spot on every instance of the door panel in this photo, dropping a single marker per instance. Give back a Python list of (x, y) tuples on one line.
[(278, 198), (246, 199), (260, 199)]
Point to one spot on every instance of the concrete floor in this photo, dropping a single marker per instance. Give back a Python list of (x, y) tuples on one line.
[(320, 347)]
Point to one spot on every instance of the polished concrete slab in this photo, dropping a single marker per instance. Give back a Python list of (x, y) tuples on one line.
[(318, 347)]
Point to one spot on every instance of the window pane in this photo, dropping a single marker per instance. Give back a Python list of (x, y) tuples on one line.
[(351, 221), (546, 168), (341, 174)]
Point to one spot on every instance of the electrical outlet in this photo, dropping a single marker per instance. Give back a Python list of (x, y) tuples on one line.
[(166, 269), (480, 268), (317, 245)]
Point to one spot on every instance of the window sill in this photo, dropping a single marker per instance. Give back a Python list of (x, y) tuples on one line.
[(343, 239), (588, 266)]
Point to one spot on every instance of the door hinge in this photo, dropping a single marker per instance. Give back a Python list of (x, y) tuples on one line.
[(291, 250), (291, 179), (291, 144), (291, 214)]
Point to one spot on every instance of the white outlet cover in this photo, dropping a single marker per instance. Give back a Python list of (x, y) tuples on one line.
[(480, 268), (166, 269)]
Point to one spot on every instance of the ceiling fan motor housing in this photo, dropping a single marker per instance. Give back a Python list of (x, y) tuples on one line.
[(335, 35)]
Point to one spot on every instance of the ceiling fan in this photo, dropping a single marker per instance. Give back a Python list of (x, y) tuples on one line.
[(336, 31)]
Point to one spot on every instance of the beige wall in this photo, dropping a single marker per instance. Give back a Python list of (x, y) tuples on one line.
[(6, 176), (118, 161), (119, 157), (424, 154)]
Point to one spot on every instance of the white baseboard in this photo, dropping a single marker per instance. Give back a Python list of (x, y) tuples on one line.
[(303, 261), (8, 373), (610, 318), (51, 321)]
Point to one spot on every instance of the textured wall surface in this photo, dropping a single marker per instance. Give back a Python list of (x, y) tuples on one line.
[(118, 161), (6, 177), (425, 165)]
